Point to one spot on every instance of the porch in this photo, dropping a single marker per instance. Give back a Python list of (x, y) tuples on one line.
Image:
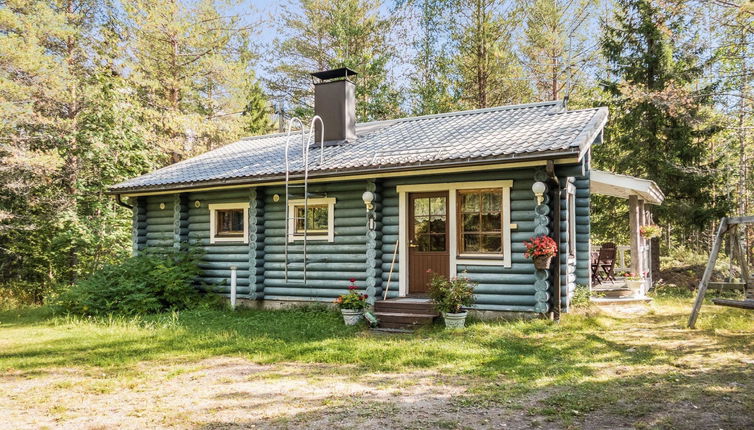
[(635, 257)]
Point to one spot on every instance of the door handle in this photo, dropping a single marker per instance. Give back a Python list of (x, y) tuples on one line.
[(413, 245)]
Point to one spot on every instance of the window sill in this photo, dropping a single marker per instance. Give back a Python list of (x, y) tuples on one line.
[(481, 260), (229, 239), (492, 257), (322, 237)]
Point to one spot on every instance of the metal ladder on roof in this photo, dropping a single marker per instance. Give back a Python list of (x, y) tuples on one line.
[(290, 215)]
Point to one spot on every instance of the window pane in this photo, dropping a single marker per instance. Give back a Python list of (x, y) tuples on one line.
[(437, 242), (471, 222), (229, 222), (437, 224), (422, 242), (470, 202), (421, 207), (421, 225), (471, 243), (491, 222), (437, 205), (316, 219), (491, 243), (491, 201)]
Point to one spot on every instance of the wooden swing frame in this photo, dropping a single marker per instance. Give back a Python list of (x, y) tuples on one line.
[(727, 226)]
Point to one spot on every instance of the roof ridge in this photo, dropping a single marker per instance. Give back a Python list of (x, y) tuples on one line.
[(433, 115), (481, 110)]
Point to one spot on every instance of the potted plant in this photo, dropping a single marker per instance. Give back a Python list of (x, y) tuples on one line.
[(650, 231), (450, 296), (634, 282), (541, 249), (352, 304)]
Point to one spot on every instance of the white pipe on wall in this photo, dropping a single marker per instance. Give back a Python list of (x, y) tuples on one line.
[(233, 287)]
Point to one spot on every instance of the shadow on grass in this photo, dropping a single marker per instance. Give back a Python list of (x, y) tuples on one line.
[(520, 351)]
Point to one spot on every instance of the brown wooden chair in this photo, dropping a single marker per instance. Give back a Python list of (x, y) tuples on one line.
[(595, 264), (606, 261)]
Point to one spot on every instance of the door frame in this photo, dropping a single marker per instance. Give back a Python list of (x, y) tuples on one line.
[(451, 188)]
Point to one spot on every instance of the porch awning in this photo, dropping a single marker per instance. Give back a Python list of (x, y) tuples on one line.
[(613, 184)]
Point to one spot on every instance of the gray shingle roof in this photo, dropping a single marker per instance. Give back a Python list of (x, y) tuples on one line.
[(468, 136)]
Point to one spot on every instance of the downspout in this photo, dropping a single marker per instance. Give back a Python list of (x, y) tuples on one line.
[(121, 203), (555, 195)]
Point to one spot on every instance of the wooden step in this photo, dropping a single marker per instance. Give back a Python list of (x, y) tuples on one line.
[(612, 293), (397, 306), (404, 319)]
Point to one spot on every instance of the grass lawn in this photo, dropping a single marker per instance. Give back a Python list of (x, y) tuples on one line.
[(636, 368)]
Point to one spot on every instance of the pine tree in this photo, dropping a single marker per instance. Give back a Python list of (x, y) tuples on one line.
[(489, 72), (190, 64), (69, 130), (431, 84), (659, 127), (318, 35), (555, 47)]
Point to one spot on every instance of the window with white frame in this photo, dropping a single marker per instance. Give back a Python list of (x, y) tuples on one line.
[(313, 219), (229, 222), (480, 222)]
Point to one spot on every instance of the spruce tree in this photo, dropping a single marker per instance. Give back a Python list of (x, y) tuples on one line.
[(659, 127)]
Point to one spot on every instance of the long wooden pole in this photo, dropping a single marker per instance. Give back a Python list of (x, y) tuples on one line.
[(392, 264), (708, 271)]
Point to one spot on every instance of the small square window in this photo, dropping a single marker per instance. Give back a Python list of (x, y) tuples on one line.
[(314, 223), (313, 219), (229, 222)]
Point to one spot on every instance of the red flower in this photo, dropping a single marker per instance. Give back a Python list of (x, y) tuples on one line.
[(366, 296), (540, 246), (352, 287), (352, 280)]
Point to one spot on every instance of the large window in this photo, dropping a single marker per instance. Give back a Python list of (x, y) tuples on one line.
[(314, 220), (480, 226), (229, 222)]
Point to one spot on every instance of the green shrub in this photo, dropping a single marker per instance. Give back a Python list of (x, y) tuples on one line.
[(148, 283), (451, 295), (581, 297)]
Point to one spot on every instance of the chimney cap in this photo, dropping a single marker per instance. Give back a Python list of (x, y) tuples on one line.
[(343, 72)]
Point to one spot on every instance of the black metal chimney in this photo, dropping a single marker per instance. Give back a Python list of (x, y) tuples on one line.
[(335, 103)]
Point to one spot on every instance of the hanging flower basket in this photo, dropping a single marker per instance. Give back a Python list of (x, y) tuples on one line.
[(650, 231), (541, 249), (542, 262)]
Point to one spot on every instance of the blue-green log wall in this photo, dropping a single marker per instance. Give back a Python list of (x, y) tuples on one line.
[(356, 252)]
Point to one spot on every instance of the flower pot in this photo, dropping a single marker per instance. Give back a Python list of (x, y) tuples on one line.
[(636, 286), (457, 320), (542, 262), (352, 316)]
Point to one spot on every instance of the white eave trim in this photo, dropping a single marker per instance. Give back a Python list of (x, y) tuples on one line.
[(622, 186)]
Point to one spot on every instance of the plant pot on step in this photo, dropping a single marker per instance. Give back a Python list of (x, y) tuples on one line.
[(542, 262), (455, 320), (636, 286), (352, 316)]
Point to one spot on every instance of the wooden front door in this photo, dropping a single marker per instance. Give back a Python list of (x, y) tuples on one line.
[(428, 239)]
